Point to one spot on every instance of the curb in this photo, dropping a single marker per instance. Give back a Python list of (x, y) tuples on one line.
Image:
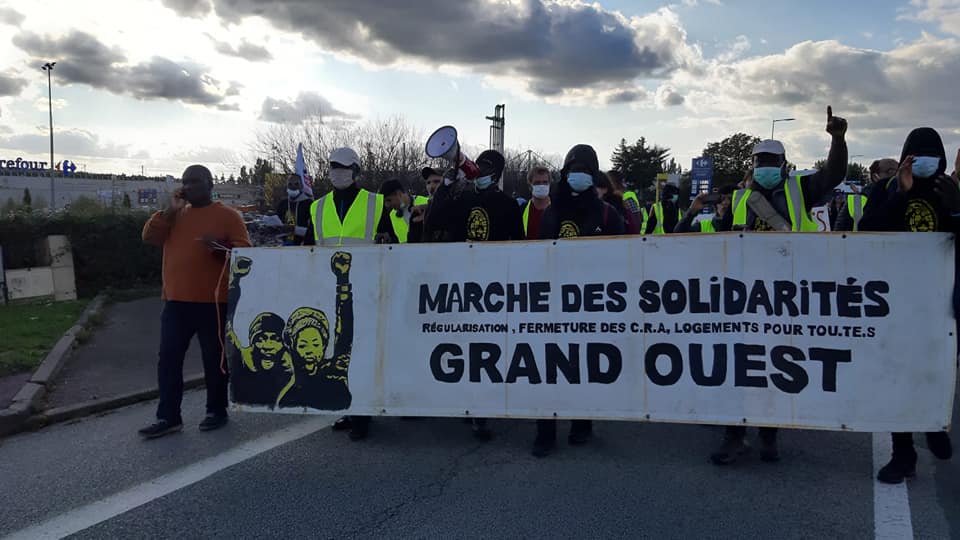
[(30, 396), (94, 406)]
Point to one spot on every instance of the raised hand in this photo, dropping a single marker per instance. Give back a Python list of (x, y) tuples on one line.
[(697, 204), (905, 175), (836, 126)]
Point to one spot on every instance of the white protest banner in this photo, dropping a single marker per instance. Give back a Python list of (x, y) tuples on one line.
[(820, 331), (821, 216)]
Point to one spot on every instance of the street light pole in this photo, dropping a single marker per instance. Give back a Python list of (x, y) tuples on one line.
[(773, 125), (48, 67)]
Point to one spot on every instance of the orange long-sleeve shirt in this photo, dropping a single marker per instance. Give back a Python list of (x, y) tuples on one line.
[(190, 271)]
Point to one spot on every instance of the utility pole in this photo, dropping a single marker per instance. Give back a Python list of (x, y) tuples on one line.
[(48, 67)]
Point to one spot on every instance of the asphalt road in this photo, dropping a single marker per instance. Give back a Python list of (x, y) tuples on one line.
[(289, 476)]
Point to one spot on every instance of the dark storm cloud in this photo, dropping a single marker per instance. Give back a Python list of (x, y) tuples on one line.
[(554, 47)]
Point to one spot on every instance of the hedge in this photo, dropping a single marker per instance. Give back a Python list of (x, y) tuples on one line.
[(107, 249)]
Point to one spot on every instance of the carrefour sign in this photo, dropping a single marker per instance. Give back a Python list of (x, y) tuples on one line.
[(23, 164), (66, 167)]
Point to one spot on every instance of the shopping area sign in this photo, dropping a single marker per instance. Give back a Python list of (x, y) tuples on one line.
[(701, 175)]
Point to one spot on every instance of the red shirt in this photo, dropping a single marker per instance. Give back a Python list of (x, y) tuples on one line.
[(533, 221)]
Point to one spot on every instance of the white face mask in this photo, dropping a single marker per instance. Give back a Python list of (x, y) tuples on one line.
[(541, 191), (341, 178)]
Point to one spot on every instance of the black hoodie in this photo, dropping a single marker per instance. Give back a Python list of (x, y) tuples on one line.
[(920, 209), (580, 214), (465, 213)]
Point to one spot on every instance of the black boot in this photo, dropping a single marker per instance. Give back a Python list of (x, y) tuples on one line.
[(581, 431), (359, 427), (342, 424), (903, 463), (546, 439), (734, 445), (480, 430), (939, 443), (769, 452)]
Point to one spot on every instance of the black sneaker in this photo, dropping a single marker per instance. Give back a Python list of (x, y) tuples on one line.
[(481, 432), (898, 469), (576, 438), (359, 431), (731, 449), (213, 421), (342, 424), (543, 447), (939, 443), (160, 428), (769, 453)]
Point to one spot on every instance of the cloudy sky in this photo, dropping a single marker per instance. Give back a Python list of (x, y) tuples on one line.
[(162, 83)]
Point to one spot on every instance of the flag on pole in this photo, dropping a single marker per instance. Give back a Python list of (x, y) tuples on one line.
[(301, 170)]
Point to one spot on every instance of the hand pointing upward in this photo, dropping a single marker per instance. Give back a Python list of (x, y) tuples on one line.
[(836, 126)]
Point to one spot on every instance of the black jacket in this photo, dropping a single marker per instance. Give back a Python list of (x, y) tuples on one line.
[(464, 213), (296, 212), (579, 215)]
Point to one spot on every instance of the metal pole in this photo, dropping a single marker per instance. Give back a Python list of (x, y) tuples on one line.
[(53, 193), (773, 125)]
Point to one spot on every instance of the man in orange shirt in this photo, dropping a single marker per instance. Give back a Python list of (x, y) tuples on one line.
[(195, 234)]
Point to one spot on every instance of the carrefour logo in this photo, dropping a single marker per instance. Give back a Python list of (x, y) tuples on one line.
[(67, 167)]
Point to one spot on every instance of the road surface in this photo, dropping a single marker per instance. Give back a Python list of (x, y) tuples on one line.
[(291, 476)]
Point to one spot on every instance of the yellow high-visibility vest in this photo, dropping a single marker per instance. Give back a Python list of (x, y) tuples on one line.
[(658, 211), (359, 225), (855, 205), (800, 220), (400, 225), (706, 226)]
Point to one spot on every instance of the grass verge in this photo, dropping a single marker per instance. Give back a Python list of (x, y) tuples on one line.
[(29, 331)]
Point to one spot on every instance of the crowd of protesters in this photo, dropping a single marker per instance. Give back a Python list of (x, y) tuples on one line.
[(912, 193)]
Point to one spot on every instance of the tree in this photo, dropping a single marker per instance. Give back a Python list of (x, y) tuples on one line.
[(27, 199), (640, 163), (244, 175), (126, 200), (732, 158), (260, 171), (232, 179)]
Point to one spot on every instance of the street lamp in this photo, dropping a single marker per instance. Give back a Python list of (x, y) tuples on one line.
[(773, 124), (48, 67)]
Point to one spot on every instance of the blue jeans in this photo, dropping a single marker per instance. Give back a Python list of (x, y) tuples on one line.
[(179, 322)]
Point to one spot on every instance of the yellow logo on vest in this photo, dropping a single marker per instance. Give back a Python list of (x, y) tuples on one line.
[(478, 225), (920, 216), (569, 229)]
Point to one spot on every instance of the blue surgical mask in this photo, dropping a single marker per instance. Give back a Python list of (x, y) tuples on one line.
[(484, 182), (674, 199), (293, 193), (580, 181), (767, 177), (925, 166)]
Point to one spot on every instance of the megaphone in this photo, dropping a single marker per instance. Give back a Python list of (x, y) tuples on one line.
[(443, 144)]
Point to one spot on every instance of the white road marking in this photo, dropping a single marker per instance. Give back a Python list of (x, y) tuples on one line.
[(91, 514), (891, 503)]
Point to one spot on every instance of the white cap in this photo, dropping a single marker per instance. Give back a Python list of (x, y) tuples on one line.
[(769, 146), (345, 156)]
